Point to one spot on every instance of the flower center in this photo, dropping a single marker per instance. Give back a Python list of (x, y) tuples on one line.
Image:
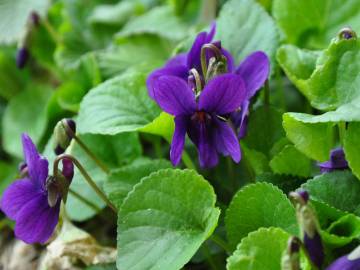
[(201, 116)]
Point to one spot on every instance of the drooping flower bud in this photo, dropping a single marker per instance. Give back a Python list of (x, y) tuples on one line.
[(347, 33), (34, 18), (337, 161), (58, 187), (291, 257), (64, 132), (22, 57), (309, 227), (347, 262)]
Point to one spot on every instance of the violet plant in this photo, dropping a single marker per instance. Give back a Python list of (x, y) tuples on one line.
[(179, 135)]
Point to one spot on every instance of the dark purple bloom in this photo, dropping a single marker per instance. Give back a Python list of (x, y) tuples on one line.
[(200, 119), (254, 71), (315, 248), (337, 161), (181, 64), (26, 200), (22, 57), (347, 262)]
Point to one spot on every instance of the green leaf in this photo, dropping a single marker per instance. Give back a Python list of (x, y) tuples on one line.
[(19, 118), (164, 220), (160, 21), (121, 181), (339, 189), (269, 121), (7, 175), (114, 151), (317, 21), (332, 81), (241, 31), (118, 105), (313, 139), (14, 16), (262, 248), (131, 52), (163, 125), (286, 183), (352, 147), (291, 162), (253, 207)]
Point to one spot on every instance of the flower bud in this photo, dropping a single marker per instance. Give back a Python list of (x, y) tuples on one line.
[(337, 161), (34, 18), (291, 257), (64, 131), (58, 187), (347, 33), (309, 227), (22, 57)]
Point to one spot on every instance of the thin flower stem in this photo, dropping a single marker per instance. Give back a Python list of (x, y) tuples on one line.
[(267, 93), (86, 177), (208, 11), (84, 200), (341, 128), (231, 173), (220, 242), (209, 257), (98, 162), (187, 161), (54, 35)]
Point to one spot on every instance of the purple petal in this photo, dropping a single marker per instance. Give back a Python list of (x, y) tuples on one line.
[(226, 141), (37, 166), (16, 196), (230, 60), (315, 249), (337, 161), (177, 60), (174, 96), (343, 263), (68, 169), (194, 55), (254, 70), (178, 71), (178, 140), (244, 119), (36, 221), (208, 156), (223, 94)]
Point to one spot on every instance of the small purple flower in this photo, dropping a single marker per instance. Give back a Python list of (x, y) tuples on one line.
[(337, 161), (181, 64), (22, 57), (314, 246), (199, 118), (347, 262), (26, 200)]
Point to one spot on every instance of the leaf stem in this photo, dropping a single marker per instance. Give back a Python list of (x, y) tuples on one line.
[(220, 242), (86, 149), (187, 161), (84, 200), (54, 35), (86, 176), (267, 93), (207, 254)]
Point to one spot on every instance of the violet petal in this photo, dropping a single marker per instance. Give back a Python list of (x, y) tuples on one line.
[(36, 222), (208, 156), (178, 140), (16, 196), (174, 96), (254, 70), (37, 166), (223, 94)]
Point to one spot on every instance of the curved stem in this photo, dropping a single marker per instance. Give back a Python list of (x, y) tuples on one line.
[(71, 134), (84, 200), (85, 175), (54, 35), (220, 242), (187, 161)]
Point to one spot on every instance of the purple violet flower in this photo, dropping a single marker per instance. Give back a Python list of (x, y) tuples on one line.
[(181, 64), (337, 161), (199, 118), (26, 200), (22, 57), (347, 262)]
